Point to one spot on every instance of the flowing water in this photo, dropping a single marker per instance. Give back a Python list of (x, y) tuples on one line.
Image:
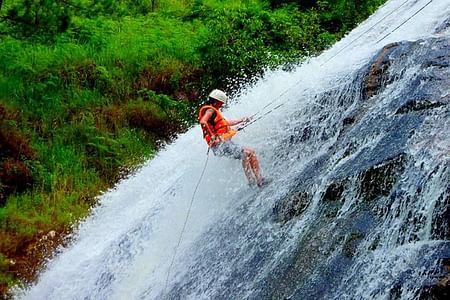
[(357, 208)]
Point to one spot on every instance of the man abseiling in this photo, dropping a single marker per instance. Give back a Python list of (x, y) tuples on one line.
[(217, 132)]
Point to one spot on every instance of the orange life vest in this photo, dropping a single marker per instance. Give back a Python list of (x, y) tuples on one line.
[(219, 125)]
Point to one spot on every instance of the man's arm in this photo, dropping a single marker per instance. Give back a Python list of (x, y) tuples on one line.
[(204, 121), (215, 139), (238, 121)]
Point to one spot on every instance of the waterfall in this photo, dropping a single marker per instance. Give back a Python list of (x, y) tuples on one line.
[(358, 206)]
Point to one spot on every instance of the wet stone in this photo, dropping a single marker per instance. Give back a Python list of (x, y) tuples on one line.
[(291, 206), (417, 105), (378, 180), (334, 192), (441, 220)]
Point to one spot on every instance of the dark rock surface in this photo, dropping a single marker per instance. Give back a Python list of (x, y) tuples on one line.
[(413, 79)]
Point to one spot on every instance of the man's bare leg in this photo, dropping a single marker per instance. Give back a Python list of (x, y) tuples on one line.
[(248, 169), (250, 156)]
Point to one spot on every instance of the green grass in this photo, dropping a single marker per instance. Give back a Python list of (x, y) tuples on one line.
[(81, 104)]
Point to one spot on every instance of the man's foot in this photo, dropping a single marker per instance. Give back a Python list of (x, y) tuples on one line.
[(263, 182), (252, 182)]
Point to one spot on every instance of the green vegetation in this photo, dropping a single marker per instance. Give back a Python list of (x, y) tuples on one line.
[(90, 89)]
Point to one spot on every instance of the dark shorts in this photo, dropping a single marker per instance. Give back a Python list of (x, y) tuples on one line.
[(228, 149)]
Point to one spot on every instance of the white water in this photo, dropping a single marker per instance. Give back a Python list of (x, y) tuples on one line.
[(123, 250)]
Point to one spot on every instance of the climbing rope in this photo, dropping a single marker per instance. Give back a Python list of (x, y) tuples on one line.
[(253, 119), (261, 113), (362, 34), (274, 100), (185, 222), (422, 8)]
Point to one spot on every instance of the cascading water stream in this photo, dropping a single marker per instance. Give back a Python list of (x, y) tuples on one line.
[(360, 173)]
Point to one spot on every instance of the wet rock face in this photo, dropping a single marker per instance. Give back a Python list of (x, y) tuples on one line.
[(334, 192), (440, 288), (378, 76), (443, 27), (382, 158), (379, 180), (433, 67), (290, 207), (417, 105), (379, 167), (441, 222)]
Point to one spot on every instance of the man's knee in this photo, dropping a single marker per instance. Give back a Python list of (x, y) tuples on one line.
[(248, 152)]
